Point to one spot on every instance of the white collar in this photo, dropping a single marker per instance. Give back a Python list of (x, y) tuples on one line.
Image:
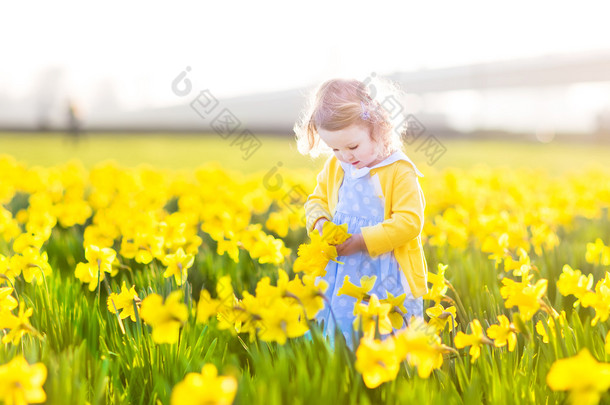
[(397, 155)]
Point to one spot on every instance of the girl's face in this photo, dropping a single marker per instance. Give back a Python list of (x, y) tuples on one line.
[(352, 145)]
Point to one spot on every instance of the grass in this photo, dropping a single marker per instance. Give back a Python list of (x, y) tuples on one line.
[(180, 151), (90, 360)]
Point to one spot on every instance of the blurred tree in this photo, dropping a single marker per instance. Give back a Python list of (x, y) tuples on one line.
[(602, 133)]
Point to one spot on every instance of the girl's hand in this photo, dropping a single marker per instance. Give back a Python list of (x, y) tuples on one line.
[(353, 244), (319, 223)]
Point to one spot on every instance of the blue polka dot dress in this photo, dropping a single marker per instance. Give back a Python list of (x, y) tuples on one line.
[(361, 204)]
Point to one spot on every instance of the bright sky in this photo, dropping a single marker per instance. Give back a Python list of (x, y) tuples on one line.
[(237, 47)]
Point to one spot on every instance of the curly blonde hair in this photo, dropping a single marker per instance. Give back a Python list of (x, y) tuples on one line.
[(338, 103)]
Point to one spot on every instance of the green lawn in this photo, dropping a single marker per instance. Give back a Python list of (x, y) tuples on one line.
[(177, 151)]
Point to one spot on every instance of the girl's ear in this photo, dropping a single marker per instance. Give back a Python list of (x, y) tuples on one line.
[(377, 139)]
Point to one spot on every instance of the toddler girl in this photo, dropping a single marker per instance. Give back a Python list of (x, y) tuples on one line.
[(370, 184)]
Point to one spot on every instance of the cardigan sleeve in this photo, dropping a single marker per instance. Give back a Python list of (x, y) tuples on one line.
[(316, 206), (406, 214)]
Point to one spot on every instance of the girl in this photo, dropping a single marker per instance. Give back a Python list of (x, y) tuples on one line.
[(370, 184)]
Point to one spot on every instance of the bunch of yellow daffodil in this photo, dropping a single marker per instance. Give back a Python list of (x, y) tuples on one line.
[(314, 256), (274, 313), (28, 259), (379, 360)]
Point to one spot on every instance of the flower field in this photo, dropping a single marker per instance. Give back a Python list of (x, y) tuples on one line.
[(155, 286)]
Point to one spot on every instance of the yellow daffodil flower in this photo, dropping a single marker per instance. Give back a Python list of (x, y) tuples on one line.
[(518, 267), (28, 240), (19, 325), (583, 376), (204, 388), (334, 234), (101, 235), (523, 295), (369, 313), (503, 333), (314, 256), (572, 282), (376, 360), (278, 223), (397, 309), (543, 235), (228, 246), (598, 253), (366, 284), (101, 258), (207, 306), (40, 221), (498, 247), (282, 320), (166, 318), (228, 312), (32, 264), (7, 301), (89, 273), (9, 226), (440, 317), (269, 250), (124, 302), (143, 247), (178, 265), (439, 285), (21, 383), (475, 339), (421, 346), (599, 300), (309, 294), (99, 262), (551, 325)]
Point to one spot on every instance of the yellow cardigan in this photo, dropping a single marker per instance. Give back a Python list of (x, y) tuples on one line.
[(404, 215)]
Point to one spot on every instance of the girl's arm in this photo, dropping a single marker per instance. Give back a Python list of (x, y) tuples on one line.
[(406, 218), (316, 206)]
